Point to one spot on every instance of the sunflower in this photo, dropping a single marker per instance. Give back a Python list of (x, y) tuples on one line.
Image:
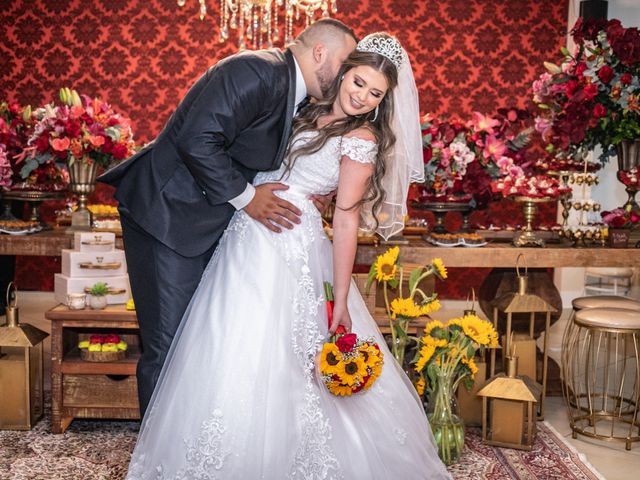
[(339, 389), (405, 307), (426, 352), (420, 386), (330, 359), (370, 354), (352, 371), (471, 363), (432, 326), (439, 268), (432, 306), (385, 265), (480, 331)]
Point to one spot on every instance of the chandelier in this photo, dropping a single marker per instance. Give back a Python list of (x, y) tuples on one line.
[(258, 22)]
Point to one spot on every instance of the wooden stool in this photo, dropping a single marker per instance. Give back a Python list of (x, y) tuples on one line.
[(601, 371)]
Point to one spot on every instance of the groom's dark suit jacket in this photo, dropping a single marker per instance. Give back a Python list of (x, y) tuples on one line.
[(234, 121)]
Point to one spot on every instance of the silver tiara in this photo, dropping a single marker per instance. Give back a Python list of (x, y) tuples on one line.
[(386, 46)]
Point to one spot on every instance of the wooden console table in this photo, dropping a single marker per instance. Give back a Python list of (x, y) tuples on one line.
[(51, 242), (48, 243), (81, 389), (502, 255)]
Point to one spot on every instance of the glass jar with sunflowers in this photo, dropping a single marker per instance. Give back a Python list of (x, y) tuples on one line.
[(444, 359), (401, 310)]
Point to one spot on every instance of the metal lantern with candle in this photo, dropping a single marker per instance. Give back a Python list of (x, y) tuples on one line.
[(508, 410), (21, 370), (523, 302)]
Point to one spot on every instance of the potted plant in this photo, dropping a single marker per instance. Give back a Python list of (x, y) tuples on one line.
[(98, 293)]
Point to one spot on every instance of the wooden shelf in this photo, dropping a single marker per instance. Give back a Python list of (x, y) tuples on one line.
[(73, 364)]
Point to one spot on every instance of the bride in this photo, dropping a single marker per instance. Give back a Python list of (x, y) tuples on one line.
[(239, 396)]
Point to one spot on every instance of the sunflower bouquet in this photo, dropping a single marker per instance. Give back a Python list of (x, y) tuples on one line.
[(403, 309), (446, 358), (349, 364)]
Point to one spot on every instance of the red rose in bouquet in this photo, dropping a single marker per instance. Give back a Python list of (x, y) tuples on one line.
[(346, 342)]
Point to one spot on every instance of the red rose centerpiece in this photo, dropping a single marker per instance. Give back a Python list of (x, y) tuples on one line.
[(83, 134), (593, 96)]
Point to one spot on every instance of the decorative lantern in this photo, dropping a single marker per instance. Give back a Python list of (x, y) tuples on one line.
[(523, 302), (21, 370), (508, 414)]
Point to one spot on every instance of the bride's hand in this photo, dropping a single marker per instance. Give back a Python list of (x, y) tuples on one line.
[(340, 317), (322, 202)]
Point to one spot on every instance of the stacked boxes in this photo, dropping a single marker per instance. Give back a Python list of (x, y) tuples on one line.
[(93, 259)]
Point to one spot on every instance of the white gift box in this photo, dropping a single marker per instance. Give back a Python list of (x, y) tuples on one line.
[(94, 241), (93, 264), (64, 285)]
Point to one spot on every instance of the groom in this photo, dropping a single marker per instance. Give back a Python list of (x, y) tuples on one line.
[(177, 195)]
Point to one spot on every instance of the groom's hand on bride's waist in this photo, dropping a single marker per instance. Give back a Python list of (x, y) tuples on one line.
[(272, 211)]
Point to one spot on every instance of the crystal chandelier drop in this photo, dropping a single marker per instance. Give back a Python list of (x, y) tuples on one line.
[(257, 21)]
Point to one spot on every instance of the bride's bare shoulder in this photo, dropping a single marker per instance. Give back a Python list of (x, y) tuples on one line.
[(363, 133)]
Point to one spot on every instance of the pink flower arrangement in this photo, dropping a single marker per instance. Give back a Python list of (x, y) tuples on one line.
[(461, 160), (593, 97), (81, 129), (620, 218)]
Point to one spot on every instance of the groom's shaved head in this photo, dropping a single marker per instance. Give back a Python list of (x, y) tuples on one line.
[(326, 31)]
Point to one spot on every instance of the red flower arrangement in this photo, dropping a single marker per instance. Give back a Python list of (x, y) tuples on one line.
[(16, 126), (630, 178), (593, 97), (81, 129), (620, 218), (461, 160)]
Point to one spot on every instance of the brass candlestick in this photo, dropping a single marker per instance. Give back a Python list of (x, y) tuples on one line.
[(528, 238)]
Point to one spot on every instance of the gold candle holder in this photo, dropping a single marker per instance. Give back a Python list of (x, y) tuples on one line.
[(528, 238)]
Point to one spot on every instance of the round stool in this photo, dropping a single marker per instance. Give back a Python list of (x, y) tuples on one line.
[(614, 280), (601, 371), (605, 301)]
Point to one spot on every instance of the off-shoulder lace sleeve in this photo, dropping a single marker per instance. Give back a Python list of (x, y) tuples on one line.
[(358, 149)]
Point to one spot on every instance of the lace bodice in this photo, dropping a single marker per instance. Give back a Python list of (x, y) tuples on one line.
[(318, 173)]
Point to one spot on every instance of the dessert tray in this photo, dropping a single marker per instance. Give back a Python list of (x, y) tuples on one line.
[(19, 227), (447, 240)]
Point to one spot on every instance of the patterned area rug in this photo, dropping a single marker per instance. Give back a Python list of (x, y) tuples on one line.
[(100, 450)]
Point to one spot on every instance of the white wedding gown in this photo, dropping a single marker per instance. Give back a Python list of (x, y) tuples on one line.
[(239, 397)]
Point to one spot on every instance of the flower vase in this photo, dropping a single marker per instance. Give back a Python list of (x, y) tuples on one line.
[(447, 426), (82, 182), (628, 158)]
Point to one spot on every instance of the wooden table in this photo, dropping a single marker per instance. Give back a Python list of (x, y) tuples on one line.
[(51, 242), (81, 389), (46, 243), (504, 255)]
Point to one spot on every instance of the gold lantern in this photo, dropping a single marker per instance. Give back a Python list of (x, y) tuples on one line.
[(508, 411), (21, 370), (523, 302)]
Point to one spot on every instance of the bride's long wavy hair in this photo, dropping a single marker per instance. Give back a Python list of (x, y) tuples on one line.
[(379, 125)]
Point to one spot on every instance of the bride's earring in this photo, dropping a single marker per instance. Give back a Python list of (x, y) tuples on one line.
[(376, 114)]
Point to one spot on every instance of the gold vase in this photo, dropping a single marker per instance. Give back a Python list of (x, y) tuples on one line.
[(82, 182), (629, 157)]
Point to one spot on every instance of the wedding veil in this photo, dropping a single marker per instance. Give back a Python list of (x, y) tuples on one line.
[(404, 164)]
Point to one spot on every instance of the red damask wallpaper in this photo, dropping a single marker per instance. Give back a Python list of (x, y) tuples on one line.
[(142, 56)]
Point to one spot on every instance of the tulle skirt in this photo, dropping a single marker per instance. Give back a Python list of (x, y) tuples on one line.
[(239, 396)]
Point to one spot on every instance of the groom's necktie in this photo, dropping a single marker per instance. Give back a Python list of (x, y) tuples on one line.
[(300, 106)]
